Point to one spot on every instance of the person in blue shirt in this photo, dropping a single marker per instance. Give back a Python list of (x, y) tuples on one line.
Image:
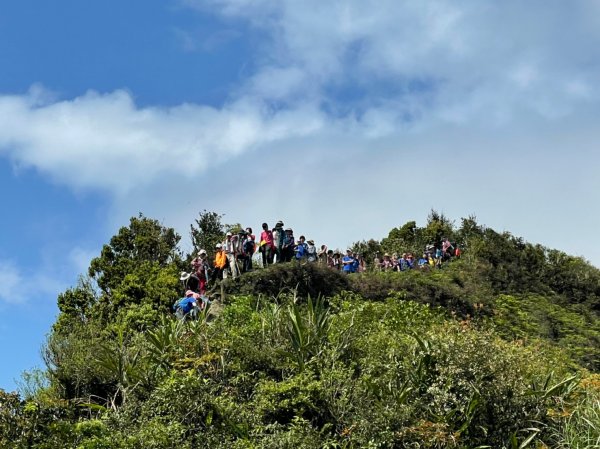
[(187, 306), (355, 262), (403, 263), (301, 249), (348, 262)]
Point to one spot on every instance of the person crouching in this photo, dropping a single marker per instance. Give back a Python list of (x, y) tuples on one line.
[(187, 307)]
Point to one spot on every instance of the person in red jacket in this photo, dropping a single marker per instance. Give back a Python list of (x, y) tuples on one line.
[(267, 245), (200, 267)]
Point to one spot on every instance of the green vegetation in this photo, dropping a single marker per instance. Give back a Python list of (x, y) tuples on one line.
[(498, 349)]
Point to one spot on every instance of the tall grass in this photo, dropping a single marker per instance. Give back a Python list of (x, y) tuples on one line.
[(578, 426)]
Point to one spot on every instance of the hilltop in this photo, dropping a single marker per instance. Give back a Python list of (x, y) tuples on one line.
[(497, 348)]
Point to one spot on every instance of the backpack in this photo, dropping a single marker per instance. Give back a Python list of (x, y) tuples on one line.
[(249, 247), (192, 283)]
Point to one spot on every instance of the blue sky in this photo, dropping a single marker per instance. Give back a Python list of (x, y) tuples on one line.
[(343, 118)]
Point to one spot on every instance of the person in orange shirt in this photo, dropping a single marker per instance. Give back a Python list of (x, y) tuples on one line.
[(220, 263)]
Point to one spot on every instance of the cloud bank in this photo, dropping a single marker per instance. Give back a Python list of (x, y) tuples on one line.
[(340, 67), (104, 141), (374, 94)]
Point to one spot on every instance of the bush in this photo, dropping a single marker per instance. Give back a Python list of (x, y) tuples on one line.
[(572, 328), (305, 279), (437, 288)]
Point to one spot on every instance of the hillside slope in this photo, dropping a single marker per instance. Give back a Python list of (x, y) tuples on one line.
[(498, 348)]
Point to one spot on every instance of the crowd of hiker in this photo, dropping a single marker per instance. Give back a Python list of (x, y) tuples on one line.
[(432, 257), (234, 256)]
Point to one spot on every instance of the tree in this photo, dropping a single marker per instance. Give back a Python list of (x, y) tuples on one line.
[(75, 305), (367, 248), (405, 238), (408, 232), (469, 229), (145, 240), (208, 231), (438, 227)]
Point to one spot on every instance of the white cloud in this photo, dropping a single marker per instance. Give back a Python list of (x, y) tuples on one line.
[(104, 141), (509, 54), (405, 66)]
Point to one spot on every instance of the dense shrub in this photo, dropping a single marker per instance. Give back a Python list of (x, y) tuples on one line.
[(437, 288), (303, 278), (571, 327)]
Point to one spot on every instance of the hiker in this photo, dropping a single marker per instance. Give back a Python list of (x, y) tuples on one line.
[(360, 265), (322, 255), (395, 263), (348, 262), (429, 250), (230, 246), (386, 264), (301, 249), (330, 261), (402, 263), (241, 256), (187, 307), (438, 257), (377, 262), (364, 266), (189, 281), (267, 246), (311, 252), (447, 248), (200, 268), (336, 262), (220, 264), (430, 260), (410, 259), (457, 252), (356, 263), (276, 253), (422, 262), (287, 250), (249, 246), (278, 236)]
